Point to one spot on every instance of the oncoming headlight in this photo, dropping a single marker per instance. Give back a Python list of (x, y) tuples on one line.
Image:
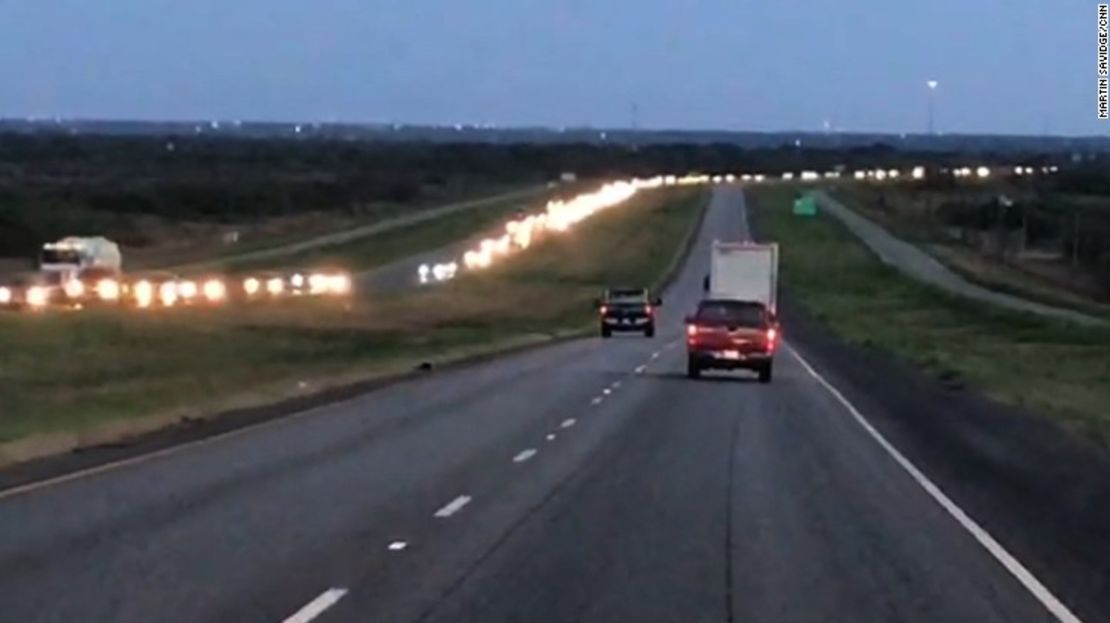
[(144, 293), (187, 289), (37, 296), (340, 284), (317, 283), (167, 293), (74, 288), (107, 289), (215, 290)]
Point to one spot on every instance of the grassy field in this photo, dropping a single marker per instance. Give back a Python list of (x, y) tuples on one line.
[(1047, 366), (74, 371)]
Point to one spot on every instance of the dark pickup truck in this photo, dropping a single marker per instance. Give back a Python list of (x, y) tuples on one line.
[(627, 309)]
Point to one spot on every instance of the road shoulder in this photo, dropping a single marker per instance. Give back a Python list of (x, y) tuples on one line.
[(1043, 493)]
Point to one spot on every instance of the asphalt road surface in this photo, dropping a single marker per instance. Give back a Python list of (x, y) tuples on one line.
[(586, 481), (923, 267)]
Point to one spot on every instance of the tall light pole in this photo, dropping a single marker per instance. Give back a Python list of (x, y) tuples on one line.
[(932, 84)]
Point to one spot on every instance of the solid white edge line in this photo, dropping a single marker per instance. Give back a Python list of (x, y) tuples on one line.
[(1007, 560), (453, 506), (524, 455), (317, 606)]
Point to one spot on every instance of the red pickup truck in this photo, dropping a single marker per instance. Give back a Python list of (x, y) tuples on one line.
[(731, 335)]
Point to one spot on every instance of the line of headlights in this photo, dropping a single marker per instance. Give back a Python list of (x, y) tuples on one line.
[(559, 216), (146, 293)]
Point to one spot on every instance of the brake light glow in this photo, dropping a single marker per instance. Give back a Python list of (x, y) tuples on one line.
[(604, 309), (691, 330), (648, 310), (771, 335)]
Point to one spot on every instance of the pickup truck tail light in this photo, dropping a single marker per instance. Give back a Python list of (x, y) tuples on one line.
[(772, 335), (648, 310), (691, 330), (603, 309)]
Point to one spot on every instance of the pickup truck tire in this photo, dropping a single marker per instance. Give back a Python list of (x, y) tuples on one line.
[(765, 373), (650, 331), (693, 369)]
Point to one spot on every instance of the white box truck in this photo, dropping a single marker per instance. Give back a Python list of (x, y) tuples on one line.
[(73, 257), (744, 271), (735, 325), (85, 269)]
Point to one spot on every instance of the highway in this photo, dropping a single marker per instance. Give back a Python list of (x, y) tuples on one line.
[(584, 481)]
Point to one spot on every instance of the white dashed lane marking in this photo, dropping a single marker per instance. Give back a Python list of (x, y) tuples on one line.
[(567, 423), (641, 369), (551, 437), (524, 455), (596, 401), (397, 546), (606, 391), (453, 506), (317, 606)]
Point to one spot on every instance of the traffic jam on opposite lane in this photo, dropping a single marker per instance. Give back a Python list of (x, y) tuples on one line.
[(559, 215), (79, 272)]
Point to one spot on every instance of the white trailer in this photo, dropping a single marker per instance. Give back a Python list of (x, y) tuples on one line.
[(744, 271)]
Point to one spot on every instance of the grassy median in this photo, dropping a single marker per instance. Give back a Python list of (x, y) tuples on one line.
[(377, 249), (1045, 365), (74, 371)]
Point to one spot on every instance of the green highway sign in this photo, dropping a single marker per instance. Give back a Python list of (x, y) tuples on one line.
[(804, 205)]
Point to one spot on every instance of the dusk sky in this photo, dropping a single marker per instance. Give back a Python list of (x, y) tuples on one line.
[(1004, 66)]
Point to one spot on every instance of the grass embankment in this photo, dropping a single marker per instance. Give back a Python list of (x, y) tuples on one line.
[(398, 240), (382, 248), (1045, 365), (1002, 277), (906, 216), (75, 371)]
